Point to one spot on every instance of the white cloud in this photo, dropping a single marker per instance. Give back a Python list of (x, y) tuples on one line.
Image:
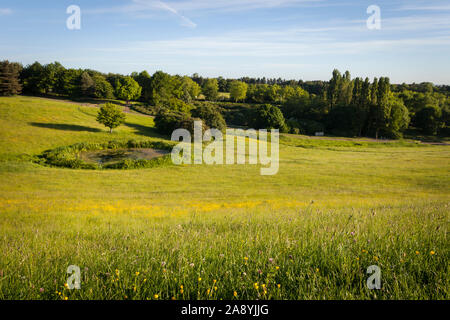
[(424, 8), (424, 23), (237, 5), (195, 6), (259, 45), (5, 11), (144, 9)]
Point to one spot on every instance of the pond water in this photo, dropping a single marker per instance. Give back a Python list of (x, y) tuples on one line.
[(103, 157)]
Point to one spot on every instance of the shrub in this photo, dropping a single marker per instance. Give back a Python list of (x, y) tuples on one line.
[(167, 121), (295, 130), (210, 116), (310, 127), (176, 105), (69, 156), (140, 164), (268, 117)]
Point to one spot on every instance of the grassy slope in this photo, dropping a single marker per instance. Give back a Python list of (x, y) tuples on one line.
[(394, 198)]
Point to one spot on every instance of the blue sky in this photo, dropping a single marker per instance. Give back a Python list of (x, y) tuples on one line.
[(292, 39)]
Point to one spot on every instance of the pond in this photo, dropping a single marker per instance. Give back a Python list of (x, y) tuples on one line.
[(103, 157)]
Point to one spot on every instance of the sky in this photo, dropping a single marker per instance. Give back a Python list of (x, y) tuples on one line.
[(291, 39)]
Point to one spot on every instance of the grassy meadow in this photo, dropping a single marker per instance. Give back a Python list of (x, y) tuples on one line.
[(218, 232)]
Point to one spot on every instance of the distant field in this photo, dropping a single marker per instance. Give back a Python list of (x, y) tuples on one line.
[(218, 232)]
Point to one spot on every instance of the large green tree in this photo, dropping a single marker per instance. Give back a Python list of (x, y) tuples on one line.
[(128, 89), (361, 105), (50, 74), (31, 77), (211, 89), (382, 109), (428, 119), (238, 90), (69, 83), (333, 88), (184, 88), (161, 88), (102, 88), (87, 85), (398, 118), (144, 80), (111, 116)]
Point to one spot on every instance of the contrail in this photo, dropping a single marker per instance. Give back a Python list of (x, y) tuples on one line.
[(161, 5)]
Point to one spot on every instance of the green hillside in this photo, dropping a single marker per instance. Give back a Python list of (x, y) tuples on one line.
[(225, 231)]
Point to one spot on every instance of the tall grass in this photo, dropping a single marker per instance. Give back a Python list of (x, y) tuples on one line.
[(217, 232)]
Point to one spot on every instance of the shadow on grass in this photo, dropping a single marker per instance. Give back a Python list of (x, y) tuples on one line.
[(64, 127), (80, 100), (145, 131), (140, 129)]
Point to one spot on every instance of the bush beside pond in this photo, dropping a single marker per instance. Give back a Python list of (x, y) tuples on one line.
[(69, 156)]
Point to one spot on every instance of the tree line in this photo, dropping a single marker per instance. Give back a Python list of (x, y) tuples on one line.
[(341, 106), (353, 107)]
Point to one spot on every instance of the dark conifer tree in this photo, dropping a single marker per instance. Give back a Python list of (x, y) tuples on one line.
[(9, 78)]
